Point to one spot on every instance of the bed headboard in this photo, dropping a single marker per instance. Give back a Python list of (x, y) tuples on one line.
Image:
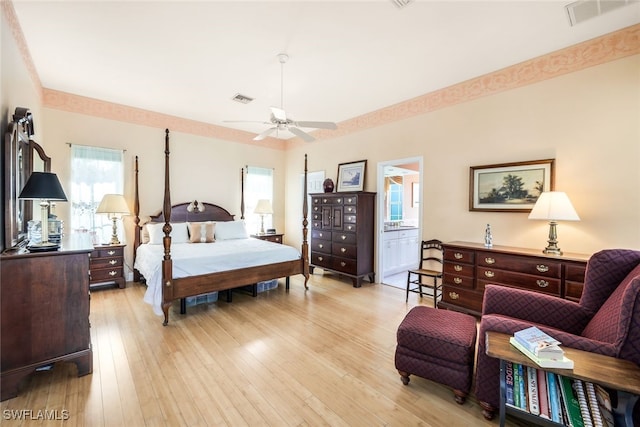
[(180, 213)]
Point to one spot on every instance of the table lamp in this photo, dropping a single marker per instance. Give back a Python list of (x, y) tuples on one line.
[(553, 206), (114, 205), (263, 208), (43, 186)]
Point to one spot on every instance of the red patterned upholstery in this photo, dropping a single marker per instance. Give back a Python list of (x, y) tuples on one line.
[(438, 345), (605, 321)]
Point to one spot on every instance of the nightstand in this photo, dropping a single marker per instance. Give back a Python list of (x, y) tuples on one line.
[(271, 237), (107, 265)]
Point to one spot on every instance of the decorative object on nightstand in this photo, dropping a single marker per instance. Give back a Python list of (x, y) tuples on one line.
[(46, 187), (328, 185), (553, 206), (114, 205), (263, 208)]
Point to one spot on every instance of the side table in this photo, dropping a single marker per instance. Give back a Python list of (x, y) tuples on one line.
[(107, 266), (270, 237)]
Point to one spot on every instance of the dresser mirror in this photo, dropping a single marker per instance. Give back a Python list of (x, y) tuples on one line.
[(22, 155)]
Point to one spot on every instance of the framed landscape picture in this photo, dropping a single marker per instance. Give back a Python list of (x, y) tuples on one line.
[(509, 187), (351, 176)]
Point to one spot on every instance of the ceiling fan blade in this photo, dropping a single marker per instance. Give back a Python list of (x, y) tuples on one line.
[(246, 121), (279, 114), (265, 134), (301, 134), (317, 125)]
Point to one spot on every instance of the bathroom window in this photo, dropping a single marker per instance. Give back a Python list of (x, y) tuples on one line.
[(396, 193)]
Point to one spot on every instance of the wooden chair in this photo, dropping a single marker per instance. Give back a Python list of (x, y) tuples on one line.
[(431, 254)]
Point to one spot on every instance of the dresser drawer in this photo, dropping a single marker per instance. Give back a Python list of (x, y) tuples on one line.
[(106, 262), (107, 252), (321, 259), (106, 274), (350, 219), (518, 280), (323, 246), (350, 200), (344, 265), (350, 227), (459, 269), (350, 209), (537, 266), (458, 280), (321, 234), (344, 250), (575, 272), (464, 298), (346, 238), (459, 255)]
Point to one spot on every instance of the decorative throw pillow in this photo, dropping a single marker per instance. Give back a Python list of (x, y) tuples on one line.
[(228, 230), (202, 232)]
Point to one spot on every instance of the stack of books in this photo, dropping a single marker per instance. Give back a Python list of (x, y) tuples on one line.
[(538, 346), (558, 398)]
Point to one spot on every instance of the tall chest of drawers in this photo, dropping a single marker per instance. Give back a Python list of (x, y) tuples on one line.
[(470, 267), (342, 230), (107, 265)]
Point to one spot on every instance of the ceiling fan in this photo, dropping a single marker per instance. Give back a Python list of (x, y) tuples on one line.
[(279, 120)]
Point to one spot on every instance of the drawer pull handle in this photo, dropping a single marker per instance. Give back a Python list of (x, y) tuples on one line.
[(542, 283), (349, 227), (320, 258), (453, 295), (457, 280), (489, 273), (113, 262), (343, 263), (113, 273), (343, 250), (320, 245), (457, 255), (343, 237), (350, 200), (490, 260), (111, 252), (339, 201), (457, 267), (542, 268), (324, 200)]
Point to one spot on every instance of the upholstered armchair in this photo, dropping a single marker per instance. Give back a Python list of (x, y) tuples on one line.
[(605, 321)]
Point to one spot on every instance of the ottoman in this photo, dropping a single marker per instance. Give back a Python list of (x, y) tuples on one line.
[(438, 345)]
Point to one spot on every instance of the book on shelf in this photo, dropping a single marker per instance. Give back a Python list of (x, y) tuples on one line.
[(508, 378), (560, 362), (581, 395), (543, 397), (554, 399), (538, 342), (516, 386), (570, 402), (604, 403), (532, 390), (596, 415)]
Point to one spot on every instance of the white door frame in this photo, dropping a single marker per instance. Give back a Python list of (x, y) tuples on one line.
[(380, 216)]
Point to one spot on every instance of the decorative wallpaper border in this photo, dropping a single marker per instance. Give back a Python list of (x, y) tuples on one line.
[(610, 47)]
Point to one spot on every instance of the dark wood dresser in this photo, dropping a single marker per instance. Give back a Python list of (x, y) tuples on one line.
[(342, 230), (44, 299), (469, 267), (107, 266)]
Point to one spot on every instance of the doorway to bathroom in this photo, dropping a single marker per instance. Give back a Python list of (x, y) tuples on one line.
[(399, 219)]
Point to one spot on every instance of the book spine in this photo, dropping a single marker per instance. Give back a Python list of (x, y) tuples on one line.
[(578, 387), (593, 405), (508, 377), (554, 399), (570, 402), (532, 391), (516, 386), (543, 396), (604, 403), (523, 387)]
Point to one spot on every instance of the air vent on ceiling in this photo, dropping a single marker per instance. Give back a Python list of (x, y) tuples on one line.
[(582, 10), (401, 3), (238, 97)]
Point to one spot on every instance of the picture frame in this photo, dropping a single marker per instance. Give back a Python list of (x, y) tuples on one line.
[(510, 187), (351, 176)]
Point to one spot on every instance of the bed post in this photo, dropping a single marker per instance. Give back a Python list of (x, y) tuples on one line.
[(136, 220), (241, 193), (167, 263), (305, 223)]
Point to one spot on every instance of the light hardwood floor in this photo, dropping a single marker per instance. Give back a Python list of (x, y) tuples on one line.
[(303, 358)]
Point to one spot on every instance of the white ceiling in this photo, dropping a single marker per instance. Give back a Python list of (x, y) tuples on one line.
[(347, 58)]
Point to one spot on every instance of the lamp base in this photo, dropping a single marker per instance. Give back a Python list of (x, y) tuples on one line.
[(43, 247)]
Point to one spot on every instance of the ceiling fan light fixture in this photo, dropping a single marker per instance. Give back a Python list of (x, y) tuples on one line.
[(243, 99)]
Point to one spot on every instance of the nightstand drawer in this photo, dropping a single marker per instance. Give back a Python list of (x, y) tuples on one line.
[(106, 274), (106, 262), (107, 252)]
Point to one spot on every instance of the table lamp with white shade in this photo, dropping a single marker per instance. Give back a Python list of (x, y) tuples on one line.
[(553, 206), (43, 186), (114, 205), (263, 208)]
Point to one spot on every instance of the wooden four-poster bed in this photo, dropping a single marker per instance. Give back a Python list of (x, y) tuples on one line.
[(177, 281)]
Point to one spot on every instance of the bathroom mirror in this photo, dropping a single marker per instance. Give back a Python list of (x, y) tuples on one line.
[(22, 155)]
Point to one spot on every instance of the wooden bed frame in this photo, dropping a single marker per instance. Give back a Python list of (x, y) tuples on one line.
[(180, 288)]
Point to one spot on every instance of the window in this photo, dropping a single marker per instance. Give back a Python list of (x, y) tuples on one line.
[(259, 185), (94, 172), (396, 196)]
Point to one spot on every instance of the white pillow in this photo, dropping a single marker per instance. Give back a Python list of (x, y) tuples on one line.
[(179, 232), (228, 230)]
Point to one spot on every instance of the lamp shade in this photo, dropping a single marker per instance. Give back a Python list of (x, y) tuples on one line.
[(554, 206), (43, 185), (113, 204), (263, 207)]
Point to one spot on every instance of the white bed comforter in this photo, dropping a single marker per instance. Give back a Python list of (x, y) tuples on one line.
[(192, 259)]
